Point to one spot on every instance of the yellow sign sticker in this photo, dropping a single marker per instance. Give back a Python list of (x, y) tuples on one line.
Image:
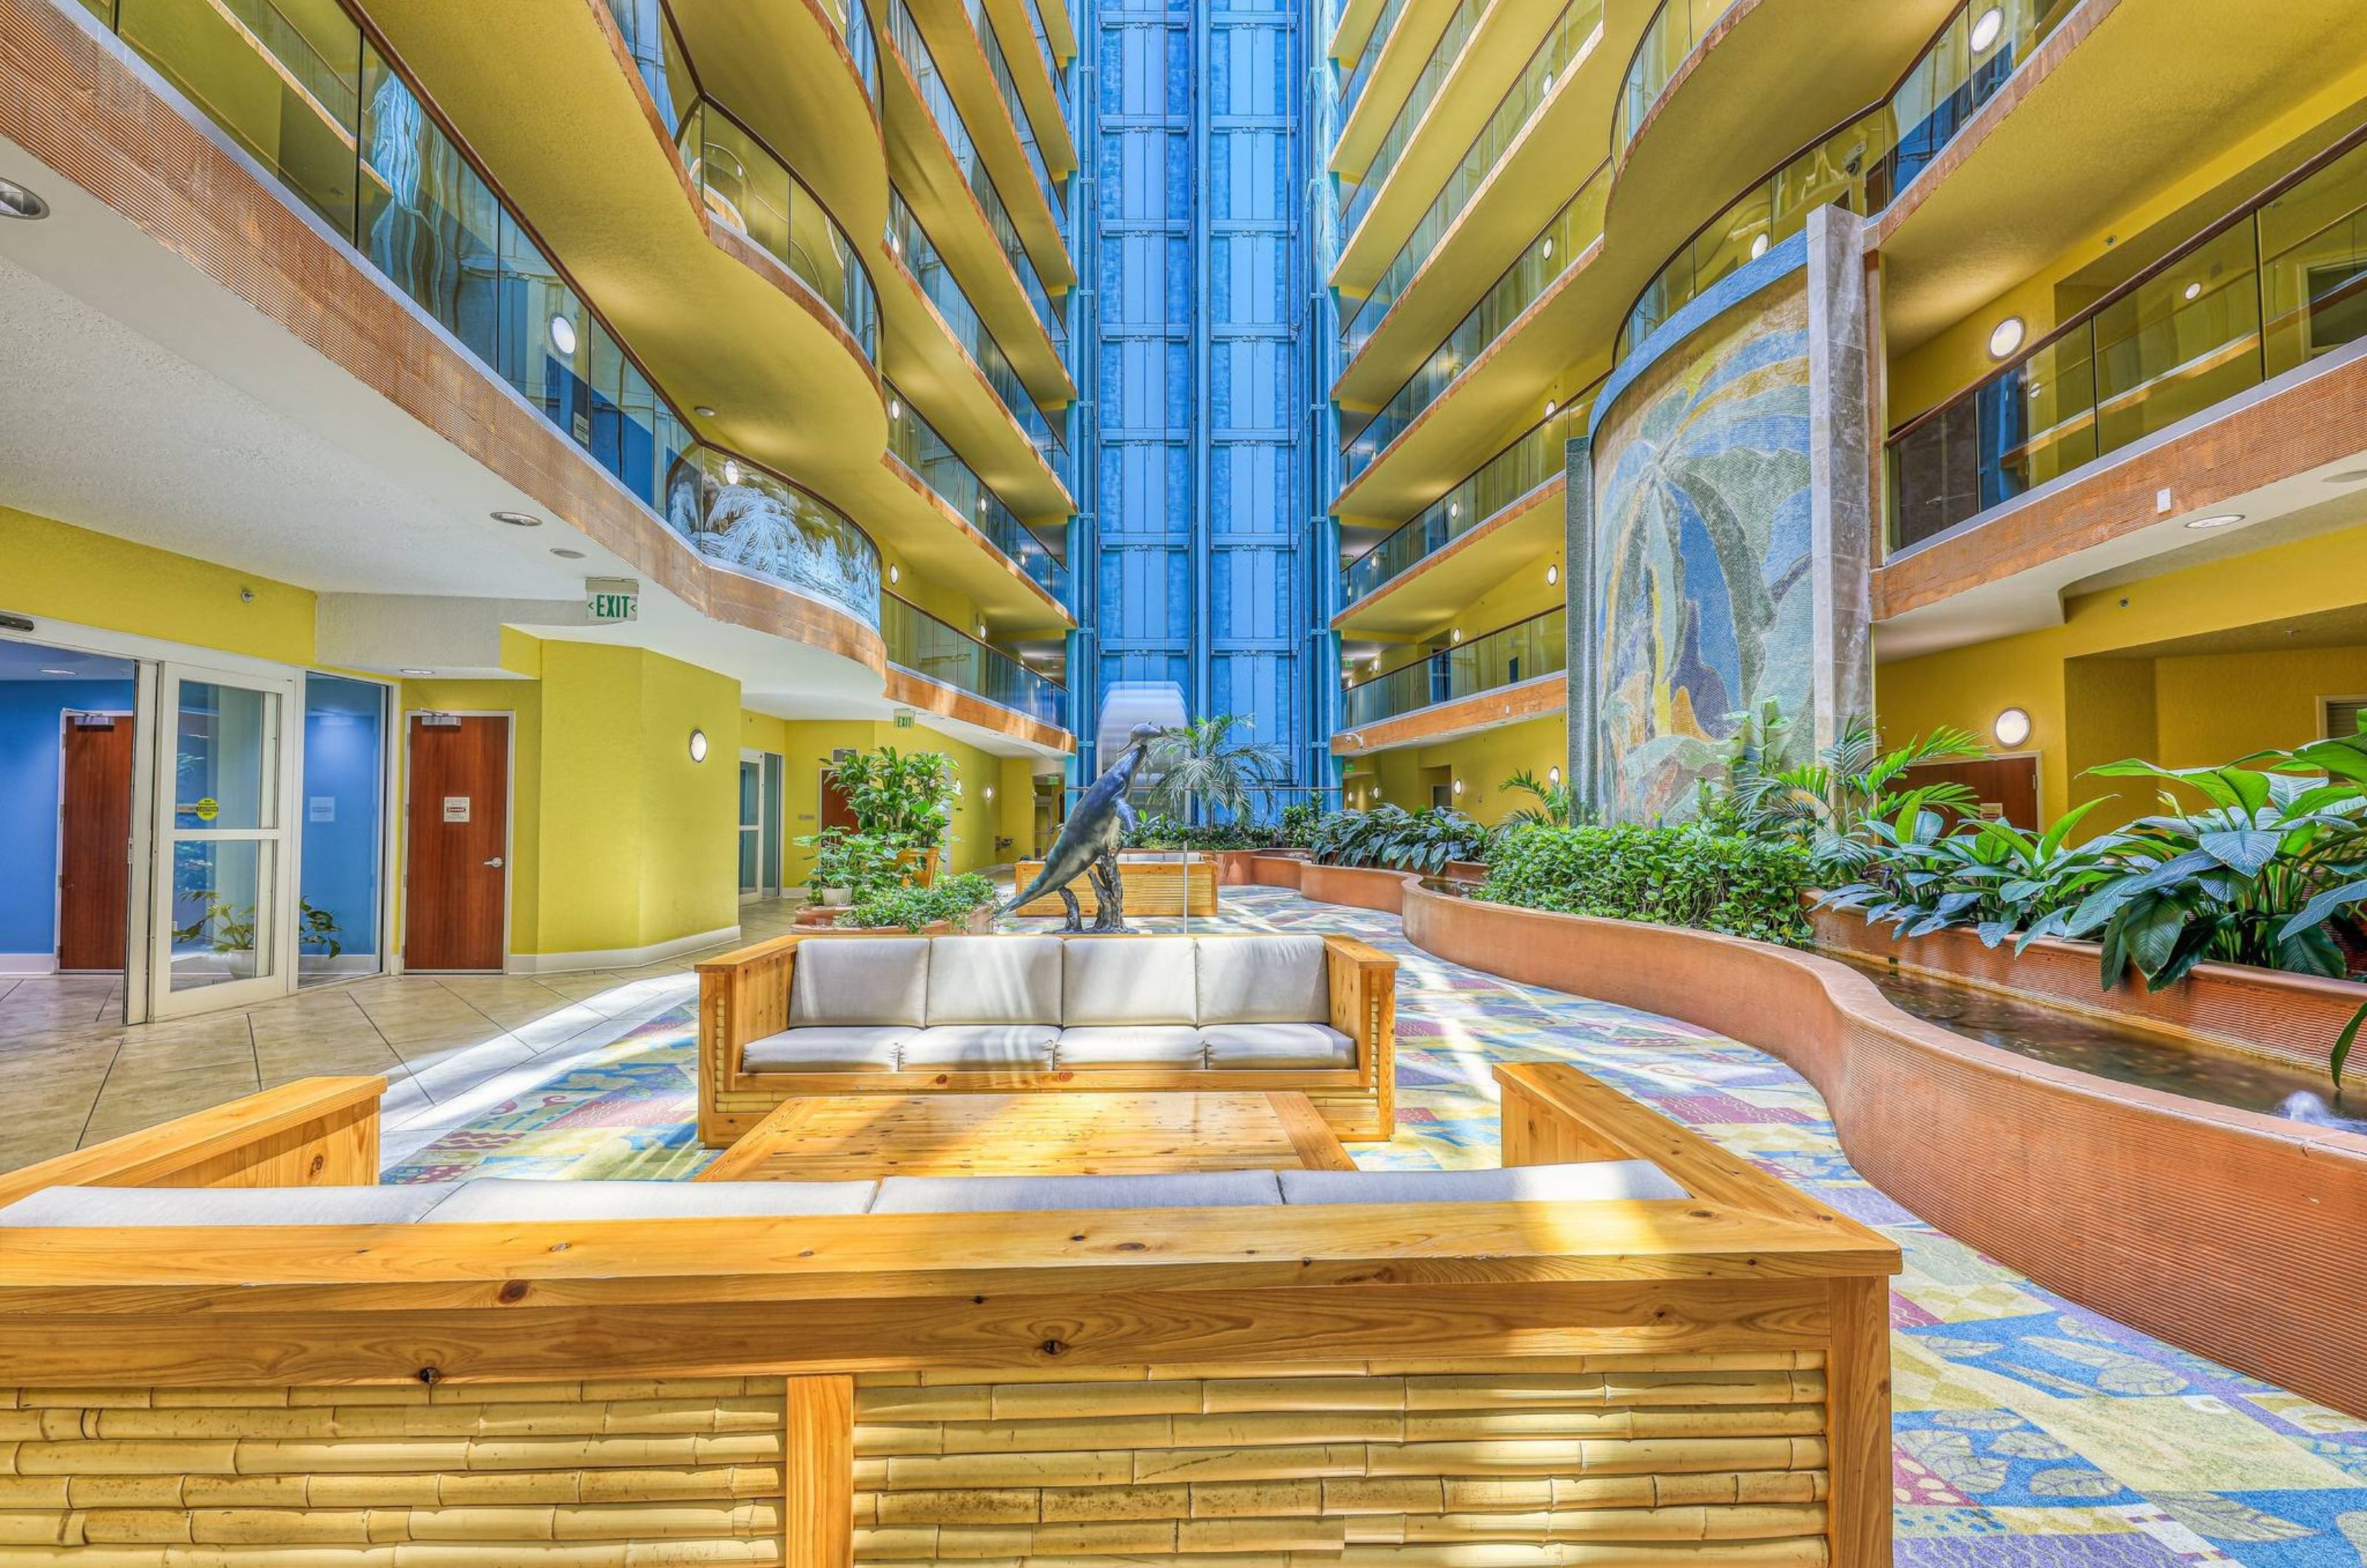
[(207, 809)]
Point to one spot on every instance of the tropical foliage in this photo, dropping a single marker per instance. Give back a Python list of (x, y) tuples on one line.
[(1824, 805), (1391, 836), (1212, 762), (1557, 803), (905, 798), (950, 899), (1686, 875), (862, 863)]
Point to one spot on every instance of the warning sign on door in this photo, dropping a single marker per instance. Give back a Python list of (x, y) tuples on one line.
[(456, 808)]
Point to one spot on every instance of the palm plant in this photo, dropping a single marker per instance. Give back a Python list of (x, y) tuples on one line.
[(1207, 762), (1826, 805), (1557, 803)]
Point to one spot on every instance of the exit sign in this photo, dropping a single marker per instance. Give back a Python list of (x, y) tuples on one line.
[(613, 598)]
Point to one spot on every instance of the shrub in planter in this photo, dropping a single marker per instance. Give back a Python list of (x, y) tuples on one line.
[(1296, 828), (858, 862), (1391, 836), (1675, 877), (910, 908), (905, 798)]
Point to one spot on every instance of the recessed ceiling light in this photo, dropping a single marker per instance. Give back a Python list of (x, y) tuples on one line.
[(2194, 291), (895, 573), (731, 471), (1547, 249), (1553, 574), (895, 409), (1550, 406), (48, 670), (703, 411), (563, 553), (419, 671), (518, 519), (2006, 337), (16, 201), (562, 334), (2223, 520), (1453, 510), (1985, 29)]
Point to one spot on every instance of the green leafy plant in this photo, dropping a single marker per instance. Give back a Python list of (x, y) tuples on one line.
[(1295, 826), (1557, 803), (1823, 805), (913, 909), (905, 798), (227, 927), (1208, 762), (1993, 876), (1686, 875), (1391, 836), (862, 863)]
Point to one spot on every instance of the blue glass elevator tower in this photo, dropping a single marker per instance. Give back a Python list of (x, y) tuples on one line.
[(1201, 335)]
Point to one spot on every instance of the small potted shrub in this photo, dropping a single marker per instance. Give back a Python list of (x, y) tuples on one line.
[(957, 903), (904, 799), (848, 867)]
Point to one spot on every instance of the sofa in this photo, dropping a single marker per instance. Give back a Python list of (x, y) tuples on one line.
[(811, 1015)]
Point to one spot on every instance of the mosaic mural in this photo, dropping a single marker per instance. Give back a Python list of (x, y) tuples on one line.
[(746, 518), (1702, 581)]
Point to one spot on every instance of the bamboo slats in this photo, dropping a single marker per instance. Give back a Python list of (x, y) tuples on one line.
[(1596, 1462)]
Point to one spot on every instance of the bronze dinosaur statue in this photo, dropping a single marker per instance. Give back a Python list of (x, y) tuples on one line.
[(1089, 840)]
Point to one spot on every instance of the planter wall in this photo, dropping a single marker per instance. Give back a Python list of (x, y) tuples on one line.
[(2293, 1017), (2240, 1236), (1278, 868), (1358, 886)]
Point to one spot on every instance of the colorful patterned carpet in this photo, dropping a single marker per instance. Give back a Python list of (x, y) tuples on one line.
[(2031, 1433)]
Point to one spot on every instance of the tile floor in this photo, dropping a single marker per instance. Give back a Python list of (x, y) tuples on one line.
[(2031, 1433)]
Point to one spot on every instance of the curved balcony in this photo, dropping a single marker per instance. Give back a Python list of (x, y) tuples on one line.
[(1360, 76), (1548, 258), (745, 187), (922, 645), (1436, 68), (1862, 166), (928, 457), (1014, 105), (926, 265), (2264, 292), (754, 520), (1529, 90), (1676, 29), (1505, 656)]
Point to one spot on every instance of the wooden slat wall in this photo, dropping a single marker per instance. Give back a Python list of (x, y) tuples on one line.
[(463, 1476), (1417, 1465)]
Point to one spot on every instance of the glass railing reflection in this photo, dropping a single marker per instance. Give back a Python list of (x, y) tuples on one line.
[(1360, 76), (908, 239), (1434, 70), (754, 520), (1670, 36), (1535, 457), (905, 34), (1505, 656), (933, 651), (916, 445), (2262, 293)]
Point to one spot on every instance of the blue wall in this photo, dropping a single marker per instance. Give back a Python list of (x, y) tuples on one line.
[(30, 719), (344, 735)]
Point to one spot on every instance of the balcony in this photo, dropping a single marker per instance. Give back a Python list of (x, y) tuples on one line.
[(922, 645), (1511, 656), (2260, 295), (1360, 73), (931, 460), (1676, 29), (757, 522), (926, 266), (1436, 68)]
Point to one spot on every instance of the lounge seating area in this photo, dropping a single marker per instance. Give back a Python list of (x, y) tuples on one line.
[(811, 1015)]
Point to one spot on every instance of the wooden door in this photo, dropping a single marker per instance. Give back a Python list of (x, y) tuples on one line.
[(2007, 787), (456, 828), (94, 839), (835, 811)]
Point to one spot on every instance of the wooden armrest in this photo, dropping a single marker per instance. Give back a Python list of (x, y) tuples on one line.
[(313, 1132)]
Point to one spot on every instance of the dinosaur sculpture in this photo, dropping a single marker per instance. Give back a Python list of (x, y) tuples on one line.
[(1089, 840)]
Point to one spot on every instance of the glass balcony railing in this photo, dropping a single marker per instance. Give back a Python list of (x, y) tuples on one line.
[(927, 647), (340, 129), (2260, 294), (907, 239), (655, 43), (1546, 258), (1443, 55), (919, 447), (1535, 457), (904, 33), (1669, 38), (998, 66), (1505, 656), (1360, 76), (754, 520), (748, 188), (1865, 163), (1051, 65)]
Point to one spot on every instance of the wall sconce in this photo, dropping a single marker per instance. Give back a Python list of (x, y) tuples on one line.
[(1553, 574), (2012, 728), (2006, 337), (699, 746), (1456, 635), (988, 793), (1458, 789), (1552, 777)]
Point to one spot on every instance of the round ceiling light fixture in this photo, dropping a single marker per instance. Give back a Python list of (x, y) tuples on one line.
[(895, 574), (518, 519), (2217, 520), (1456, 635), (1757, 246), (2194, 291), (895, 409), (562, 334), (2007, 335), (2012, 728), (16, 201), (699, 746), (1458, 786), (1453, 510), (1553, 574), (419, 671), (1550, 406), (563, 553), (731, 471), (1985, 29), (703, 411), (1553, 778), (50, 669)]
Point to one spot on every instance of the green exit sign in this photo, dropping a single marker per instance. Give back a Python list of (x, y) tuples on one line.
[(613, 598)]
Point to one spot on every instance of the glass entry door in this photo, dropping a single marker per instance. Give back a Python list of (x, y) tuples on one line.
[(222, 930)]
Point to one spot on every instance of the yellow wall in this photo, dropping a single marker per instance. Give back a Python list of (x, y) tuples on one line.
[(1483, 761), (523, 700), (50, 570)]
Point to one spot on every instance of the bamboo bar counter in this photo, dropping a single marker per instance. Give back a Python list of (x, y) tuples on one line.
[(1614, 1383), (1153, 886)]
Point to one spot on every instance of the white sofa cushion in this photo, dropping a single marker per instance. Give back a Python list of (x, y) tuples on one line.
[(994, 980), (860, 979), (993, 1194), (1277, 1046), (1263, 979), (1127, 979), (503, 1198), (982, 1047), (229, 1205), (1516, 1184), (828, 1048), (1130, 1045)]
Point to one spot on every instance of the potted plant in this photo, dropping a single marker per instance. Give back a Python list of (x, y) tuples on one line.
[(904, 799), (848, 867), (963, 902)]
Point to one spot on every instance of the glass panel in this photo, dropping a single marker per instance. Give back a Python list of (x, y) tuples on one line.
[(927, 647), (752, 792), (908, 239), (338, 873), (2313, 244), (1522, 651), (2179, 341), (916, 445), (772, 815), (428, 220), (1534, 457), (757, 521), (1359, 71), (223, 911), (226, 767), (1435, 71)]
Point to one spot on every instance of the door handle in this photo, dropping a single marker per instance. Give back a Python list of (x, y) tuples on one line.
[(496, 861)]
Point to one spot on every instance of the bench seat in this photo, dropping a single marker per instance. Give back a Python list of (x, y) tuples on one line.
[(985, 1047)]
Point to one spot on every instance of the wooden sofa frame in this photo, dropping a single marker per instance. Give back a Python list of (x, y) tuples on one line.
[(744, 996), (1650, 1378)]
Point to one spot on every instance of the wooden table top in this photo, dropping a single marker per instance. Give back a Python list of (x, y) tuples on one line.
[(1056, 1132)]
